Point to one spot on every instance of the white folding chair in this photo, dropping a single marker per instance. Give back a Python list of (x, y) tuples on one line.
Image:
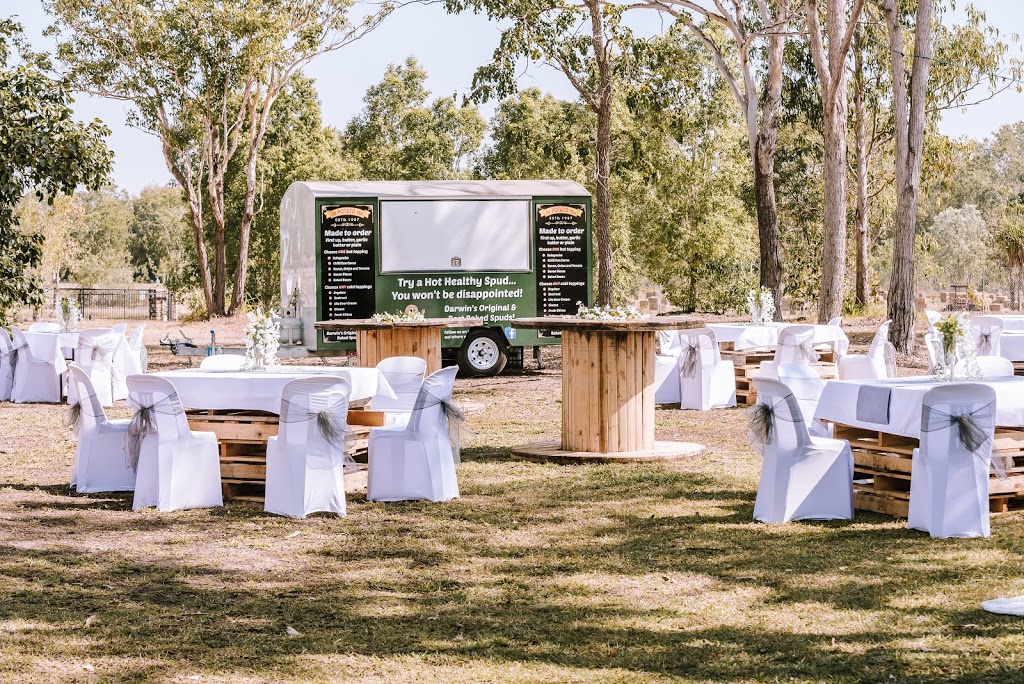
[(803, 476), (175, 467), (878, 363), (35, 380), (405, 375), (706, 380), (990, 367), (44, 326), (227, 362), (416, 461), (306, 460), (949, 481), (6, 370), (796, 344), (100, 460), (986, 331), (806, 385), (95, 355)]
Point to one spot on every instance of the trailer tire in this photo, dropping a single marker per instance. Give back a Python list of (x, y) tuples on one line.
[(483, 353)]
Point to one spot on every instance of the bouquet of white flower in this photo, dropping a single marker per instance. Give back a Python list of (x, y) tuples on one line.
[(955, 350), (761, 305), (68, 314), (608, 313), (262, 337), (410, 314)]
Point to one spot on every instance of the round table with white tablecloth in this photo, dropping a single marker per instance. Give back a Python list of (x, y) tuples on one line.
[(48, 346)]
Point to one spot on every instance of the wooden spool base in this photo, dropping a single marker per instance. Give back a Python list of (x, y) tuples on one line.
[(373, 346), (552, 452)]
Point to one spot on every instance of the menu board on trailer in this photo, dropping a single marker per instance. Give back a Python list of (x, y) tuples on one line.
[(347, 263), (562, 271)]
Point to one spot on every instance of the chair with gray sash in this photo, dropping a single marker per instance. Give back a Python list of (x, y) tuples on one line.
[(806, 385), (803, 476), (175, 467), (949, 478), (306, 460), (100, 462), (706, 380), (35, 380), (878, 363), (796, 345), (95, 355), (405, 376), (986, 331)]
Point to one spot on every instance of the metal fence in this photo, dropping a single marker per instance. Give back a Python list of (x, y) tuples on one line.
[(126, 304)]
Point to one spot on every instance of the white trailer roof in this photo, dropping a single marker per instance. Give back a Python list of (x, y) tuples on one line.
[(443, 189)]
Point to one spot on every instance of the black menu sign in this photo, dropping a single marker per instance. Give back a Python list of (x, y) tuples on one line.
[(346, 265), (562, 272)]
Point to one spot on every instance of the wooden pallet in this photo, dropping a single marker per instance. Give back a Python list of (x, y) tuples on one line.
[(1018, 367), (242, 437), (882, 467), (748, 367)]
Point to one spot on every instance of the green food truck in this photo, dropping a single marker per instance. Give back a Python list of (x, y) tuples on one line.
[(496, 250)]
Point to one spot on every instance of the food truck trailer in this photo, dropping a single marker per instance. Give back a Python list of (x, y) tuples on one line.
[(496, 250)]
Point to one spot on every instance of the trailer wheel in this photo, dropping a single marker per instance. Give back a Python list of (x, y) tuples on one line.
[(483, 353)]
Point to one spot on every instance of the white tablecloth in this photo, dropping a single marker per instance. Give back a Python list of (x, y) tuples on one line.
[(1011, 345), (261, 390), (839, 403), (1010, 322), (46, 346), (749, 336)]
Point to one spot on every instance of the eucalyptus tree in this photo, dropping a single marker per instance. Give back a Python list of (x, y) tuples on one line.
[(589, 43), (43, 150), (746, 41), (203, 77)]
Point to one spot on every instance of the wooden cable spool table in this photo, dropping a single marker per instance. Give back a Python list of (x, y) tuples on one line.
[(608, 391), (379, 340)]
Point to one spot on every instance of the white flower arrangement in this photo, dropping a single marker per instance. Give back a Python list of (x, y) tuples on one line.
[(761, 305), (262, 337), (608, 313), (68, 314), (410, 314)]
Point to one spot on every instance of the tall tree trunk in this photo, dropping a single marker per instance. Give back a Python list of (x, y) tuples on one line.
[(833, 253), (909, 136), (768, 219), (863, 165), (195, 206), (603, 161), (220, 256), (244, 230)]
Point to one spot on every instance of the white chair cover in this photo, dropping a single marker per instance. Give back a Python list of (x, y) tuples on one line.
[(706, 381), (6, 370), (666, 377), (878, 363), (668, 340), (806, 385), (95, 355), (933, 318), (405, 375), (119, 367), (44, 326), (986, 331), (803, 477), (796, 344), (933, 345), (119, 328), (101, 464), (837, 321), (227, 362), (948, 482), (305, 466), (137, 360), (417, 461), (990, 366), (35, 380), (176, 468)]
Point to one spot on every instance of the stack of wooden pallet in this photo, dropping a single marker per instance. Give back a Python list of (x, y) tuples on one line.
[(882, 465), (748, 366), (242, 437)]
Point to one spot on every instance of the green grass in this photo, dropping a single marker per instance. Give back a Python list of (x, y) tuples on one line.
[(539, 573)]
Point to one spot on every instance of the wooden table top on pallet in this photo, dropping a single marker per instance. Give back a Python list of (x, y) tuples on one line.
[(608, 391)]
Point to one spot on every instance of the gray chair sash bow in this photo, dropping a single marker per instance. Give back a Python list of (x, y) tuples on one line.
[(13, 353), (73, 414), (332, 426), (690, 355), (971, 432), (143, 424), (455, 419), (761, 422), (985, 346)]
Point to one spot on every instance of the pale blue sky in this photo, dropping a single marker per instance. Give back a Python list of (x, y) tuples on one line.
[(450, 48)]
